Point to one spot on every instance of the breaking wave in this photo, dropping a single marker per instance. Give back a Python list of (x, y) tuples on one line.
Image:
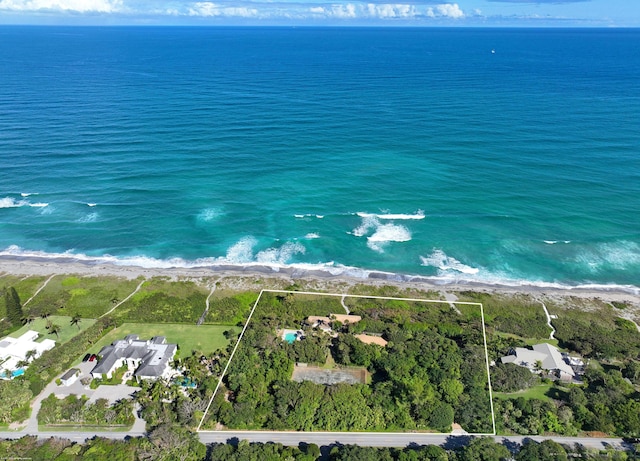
[(378, 234), (9, 202), (240, 257), (444, 263), (417, 215)]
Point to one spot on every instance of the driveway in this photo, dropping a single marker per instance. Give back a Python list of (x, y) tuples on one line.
[(111, 393)]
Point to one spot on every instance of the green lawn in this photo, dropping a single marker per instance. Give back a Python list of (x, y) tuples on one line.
[(67, 331), (205, 338), (536, 392)]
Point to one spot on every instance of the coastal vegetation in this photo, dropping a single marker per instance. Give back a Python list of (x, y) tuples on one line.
[(88, 297), (76, 413), (431, 372), (431, 354)]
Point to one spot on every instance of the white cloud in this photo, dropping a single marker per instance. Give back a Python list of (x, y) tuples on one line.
[(81, 6), (261, 9), (450, 10), (343, 11), (367, 11), (209, 9)]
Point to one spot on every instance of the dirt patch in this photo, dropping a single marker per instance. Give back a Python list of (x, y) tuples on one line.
[(323, 376)]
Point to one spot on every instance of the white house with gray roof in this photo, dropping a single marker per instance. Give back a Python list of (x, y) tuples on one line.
[(547, 356), (14, 351), (148, 359)]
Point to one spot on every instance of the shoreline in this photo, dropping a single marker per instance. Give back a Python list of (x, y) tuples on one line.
[(40, 266)]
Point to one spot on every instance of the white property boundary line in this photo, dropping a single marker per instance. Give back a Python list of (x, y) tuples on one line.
[(341, 295)]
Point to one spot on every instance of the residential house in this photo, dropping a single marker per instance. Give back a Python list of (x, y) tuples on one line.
[(147, 359), (543, 356), (24, 349)]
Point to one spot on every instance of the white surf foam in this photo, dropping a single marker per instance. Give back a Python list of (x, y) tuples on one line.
[(9, 202), (209, 214), (91, 217), (387, 233), (329, 268), (91, 204), (308, 215), (312, 235), (242, 251), (606, 256), (368, 223), (444, 263), (390, 216), (280, 255), (550, 242), (27, 194), (380, 234)]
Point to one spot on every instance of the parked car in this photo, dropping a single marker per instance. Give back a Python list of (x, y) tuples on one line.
[(86, 357), (93, 358)]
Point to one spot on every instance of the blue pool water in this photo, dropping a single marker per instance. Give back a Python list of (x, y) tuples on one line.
[(290, 337)]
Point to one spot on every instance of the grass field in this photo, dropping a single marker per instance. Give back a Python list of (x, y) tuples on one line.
[(205, 338), (67, 331), (540, 391), (88, 297)]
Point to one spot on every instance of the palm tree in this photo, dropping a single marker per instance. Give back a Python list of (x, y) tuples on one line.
[(75, 320), (54, 330), (28, 319), (30, 355)]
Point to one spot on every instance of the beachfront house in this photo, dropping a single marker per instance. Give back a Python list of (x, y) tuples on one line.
[(146, 359), (16, 353), (542, 357)]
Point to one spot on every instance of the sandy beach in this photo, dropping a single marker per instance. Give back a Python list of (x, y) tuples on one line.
[(244, 277)]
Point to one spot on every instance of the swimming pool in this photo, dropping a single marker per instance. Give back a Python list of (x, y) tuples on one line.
[(290, 337)]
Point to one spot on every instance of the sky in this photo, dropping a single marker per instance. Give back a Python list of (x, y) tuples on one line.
[(422, 13)]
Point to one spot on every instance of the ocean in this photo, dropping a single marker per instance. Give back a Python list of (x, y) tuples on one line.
[(500, 156)]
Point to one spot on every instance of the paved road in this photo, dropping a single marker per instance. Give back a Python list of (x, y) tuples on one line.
[(372, 439), (386, 439), (79, 437)]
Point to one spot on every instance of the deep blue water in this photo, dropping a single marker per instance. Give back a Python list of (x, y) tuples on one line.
[(314, 147)]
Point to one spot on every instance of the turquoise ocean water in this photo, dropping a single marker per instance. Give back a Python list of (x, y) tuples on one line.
[(490, 155)]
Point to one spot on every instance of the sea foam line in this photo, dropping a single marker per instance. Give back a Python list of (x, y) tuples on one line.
[(326, 269), (390, 216), (9, 202)]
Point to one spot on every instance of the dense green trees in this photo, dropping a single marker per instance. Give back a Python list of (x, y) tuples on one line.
[(483, 449), (15, 396), (422, 379), (607, 403), (74, 411), (13, 307), (509, 377), (599, 339)]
